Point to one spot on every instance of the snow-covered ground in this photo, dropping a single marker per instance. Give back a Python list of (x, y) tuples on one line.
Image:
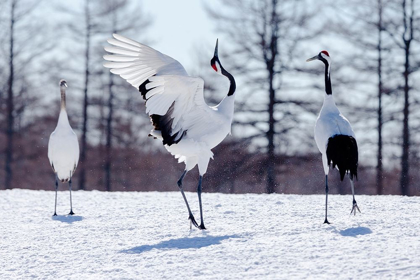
[(147, 236)]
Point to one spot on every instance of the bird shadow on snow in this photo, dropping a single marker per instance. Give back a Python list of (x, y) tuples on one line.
[(354, 231), (67, 218), (181, 243)]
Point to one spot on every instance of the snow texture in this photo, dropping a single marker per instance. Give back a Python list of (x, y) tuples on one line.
[(129, 235)]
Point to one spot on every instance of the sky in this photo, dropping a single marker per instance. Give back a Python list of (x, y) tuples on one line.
[(179, 27)]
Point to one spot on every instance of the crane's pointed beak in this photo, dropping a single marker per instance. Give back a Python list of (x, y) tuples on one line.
[(216, 50), (312, 58)]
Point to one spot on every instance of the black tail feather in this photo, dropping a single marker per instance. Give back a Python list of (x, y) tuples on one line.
[(342, 152)]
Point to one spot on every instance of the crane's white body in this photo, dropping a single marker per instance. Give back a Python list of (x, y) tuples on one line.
[(63, 148), (169, 85), (330, 122)]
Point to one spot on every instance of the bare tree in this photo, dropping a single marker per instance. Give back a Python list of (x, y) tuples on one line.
[(407, 38), (403, 29), (121, 20), (379, 47), (19, 45), (10, 96), (362, 24), (87, 33), (266, 34)]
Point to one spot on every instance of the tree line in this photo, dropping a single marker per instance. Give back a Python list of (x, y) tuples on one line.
[(375, 51)]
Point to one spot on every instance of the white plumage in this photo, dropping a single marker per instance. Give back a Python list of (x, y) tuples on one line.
[(330, 122), (334, 137), (187, 126), (63, 146)]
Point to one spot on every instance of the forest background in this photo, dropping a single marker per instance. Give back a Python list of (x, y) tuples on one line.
[(375, 51)]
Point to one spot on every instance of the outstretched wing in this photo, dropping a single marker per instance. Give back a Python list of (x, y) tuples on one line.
[(174, 100), (136, 62), (177, 107)]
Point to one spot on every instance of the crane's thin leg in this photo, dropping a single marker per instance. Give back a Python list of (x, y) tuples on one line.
[(326, 199), (71, 204), (353, 209), (56, 188), (191, 216), (199, 188)]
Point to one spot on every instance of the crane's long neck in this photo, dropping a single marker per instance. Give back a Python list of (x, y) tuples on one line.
[(232, 87), (63, 98), (226, 106), (63, 119), (328, 89)]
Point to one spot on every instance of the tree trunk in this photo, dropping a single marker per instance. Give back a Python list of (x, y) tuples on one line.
[(10, 105), (404, 183), (271, 180), (379, 167), (82, 178), (270, 61), (408, 36), (109, 135)]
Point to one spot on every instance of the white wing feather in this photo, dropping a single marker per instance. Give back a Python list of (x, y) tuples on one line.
[(136, 62), (328, 125), (168, 84), (190, 111)]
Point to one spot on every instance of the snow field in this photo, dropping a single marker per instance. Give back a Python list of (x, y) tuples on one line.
[(131, 235)]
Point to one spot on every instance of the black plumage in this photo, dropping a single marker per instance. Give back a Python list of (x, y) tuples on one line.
[(342, 152), (143, 90), (163, 123)]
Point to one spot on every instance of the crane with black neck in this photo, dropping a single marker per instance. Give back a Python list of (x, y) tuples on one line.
[(335, 137), (181, 119)]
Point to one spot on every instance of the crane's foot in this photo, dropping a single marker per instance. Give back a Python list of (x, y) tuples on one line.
[(202, 227), (354, 208), (192, 221), (71, 212), (326, 221), (55, 214)]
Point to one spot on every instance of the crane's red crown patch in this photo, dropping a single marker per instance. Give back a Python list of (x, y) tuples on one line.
[(326, 53)]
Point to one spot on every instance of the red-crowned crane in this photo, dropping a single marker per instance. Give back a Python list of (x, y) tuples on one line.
[(187, 126), (334, 137), (63, 148)]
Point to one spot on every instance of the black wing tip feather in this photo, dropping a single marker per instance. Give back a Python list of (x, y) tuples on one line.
[(342, 152), (143, 90), (163, 123)]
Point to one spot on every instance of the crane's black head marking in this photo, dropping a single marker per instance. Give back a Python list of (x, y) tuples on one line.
[(215, 62), (63, 83), (323, 56), (342, 152), (217, 66)]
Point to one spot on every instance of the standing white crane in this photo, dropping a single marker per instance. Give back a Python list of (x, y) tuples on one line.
[(187, 126), (334, 137), (63, 148)]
